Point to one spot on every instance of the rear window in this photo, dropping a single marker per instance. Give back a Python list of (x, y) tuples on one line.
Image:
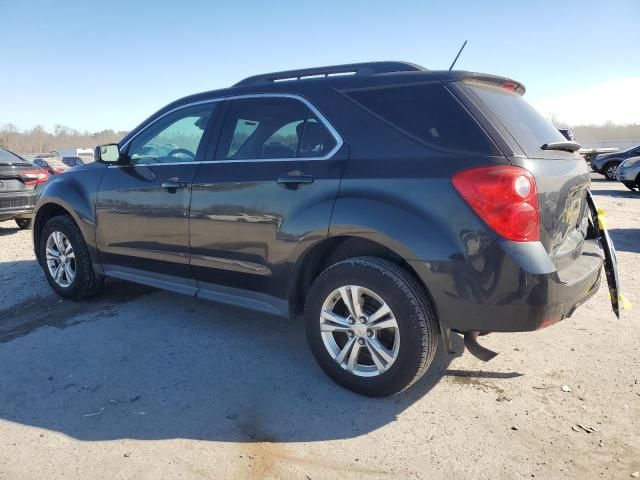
[(428, 113), (7, 156), (525, 124)]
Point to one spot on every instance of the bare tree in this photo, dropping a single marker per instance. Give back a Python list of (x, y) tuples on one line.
[(39, 140)]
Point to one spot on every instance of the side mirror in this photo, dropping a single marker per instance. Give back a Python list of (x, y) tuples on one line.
[(109, 153)]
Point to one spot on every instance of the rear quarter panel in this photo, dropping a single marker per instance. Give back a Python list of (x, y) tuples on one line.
[(410, 206)]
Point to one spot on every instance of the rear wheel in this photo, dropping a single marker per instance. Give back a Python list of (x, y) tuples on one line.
[(23, 223), (370, 326), (65, 259), (610, 171)]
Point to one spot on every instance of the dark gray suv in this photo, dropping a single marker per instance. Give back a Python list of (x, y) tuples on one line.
[(387, 204)]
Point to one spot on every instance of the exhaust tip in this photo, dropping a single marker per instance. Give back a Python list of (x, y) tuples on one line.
[(477, 350)]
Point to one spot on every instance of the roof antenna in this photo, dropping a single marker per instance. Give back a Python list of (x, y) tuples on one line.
[(459, 52)]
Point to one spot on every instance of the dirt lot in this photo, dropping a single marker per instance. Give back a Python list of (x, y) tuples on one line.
[(147, 384)]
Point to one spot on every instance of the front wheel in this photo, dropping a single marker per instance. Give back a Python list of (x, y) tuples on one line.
[(610, 171), (65, 259), (371, 326)]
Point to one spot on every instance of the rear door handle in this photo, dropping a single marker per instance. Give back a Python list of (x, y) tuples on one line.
[(294, 179), (172, 184)]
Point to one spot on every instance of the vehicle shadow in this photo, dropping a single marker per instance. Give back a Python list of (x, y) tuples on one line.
[(626, 239), (156, 365), (599, 178), (617, 193), (8, 231)]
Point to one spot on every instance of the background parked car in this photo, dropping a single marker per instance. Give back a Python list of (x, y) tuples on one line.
[(72, 161), (607, 163), (567, 133), (629, 173), (52, 165), (76, 156), (19, 181)]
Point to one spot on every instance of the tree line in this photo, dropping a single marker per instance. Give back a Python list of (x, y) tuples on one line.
[(39, 140)]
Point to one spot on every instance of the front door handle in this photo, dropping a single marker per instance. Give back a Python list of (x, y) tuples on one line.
[(294, 179), (173, 184)]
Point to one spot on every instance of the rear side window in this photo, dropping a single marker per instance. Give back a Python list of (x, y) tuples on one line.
[(428, 113), (272, 128), (525, 124)]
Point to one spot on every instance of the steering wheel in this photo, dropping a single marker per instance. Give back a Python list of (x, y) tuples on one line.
[(181, 150)]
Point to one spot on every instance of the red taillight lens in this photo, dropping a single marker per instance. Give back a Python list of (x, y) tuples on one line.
[(505, 197), (31, 177)]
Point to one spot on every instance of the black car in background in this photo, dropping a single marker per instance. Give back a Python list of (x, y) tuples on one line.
[(388, 204), (567, 133), (72, 161), (607, 163), (19, 181)]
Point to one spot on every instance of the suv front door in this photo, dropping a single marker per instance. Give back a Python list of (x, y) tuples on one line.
[(264, 198), (142, 206)]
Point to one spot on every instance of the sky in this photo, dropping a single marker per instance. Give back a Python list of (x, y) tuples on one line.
[(94, 65)]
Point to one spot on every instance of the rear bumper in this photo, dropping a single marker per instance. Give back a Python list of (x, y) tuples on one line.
[(10, 214), (510, 288), (17, 205)]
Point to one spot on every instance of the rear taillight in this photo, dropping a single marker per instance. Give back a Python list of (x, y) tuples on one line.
[(505, 197), (31, 177)]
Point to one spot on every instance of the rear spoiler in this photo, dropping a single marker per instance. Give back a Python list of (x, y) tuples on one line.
[(495, 80)]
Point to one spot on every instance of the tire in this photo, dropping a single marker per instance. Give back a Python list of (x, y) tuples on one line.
[(610, 171), (416, 330), (85, 283), (23, 223)]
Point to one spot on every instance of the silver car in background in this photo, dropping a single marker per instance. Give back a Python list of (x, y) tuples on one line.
[(628, 172)]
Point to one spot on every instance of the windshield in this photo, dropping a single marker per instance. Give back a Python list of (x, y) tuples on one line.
[(525, 124)]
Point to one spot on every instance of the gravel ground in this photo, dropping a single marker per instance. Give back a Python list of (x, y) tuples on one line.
[(147, 384)]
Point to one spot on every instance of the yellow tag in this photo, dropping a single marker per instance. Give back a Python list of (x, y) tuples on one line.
[(602, 219), (623, 302)]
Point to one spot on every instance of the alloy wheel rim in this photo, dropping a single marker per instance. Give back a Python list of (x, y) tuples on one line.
[(611, 171), (61, 259), (359, 331)]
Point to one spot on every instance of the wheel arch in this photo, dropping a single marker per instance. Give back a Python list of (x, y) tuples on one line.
[(336, 249), (46, 212), (608, 163), (72, 194)]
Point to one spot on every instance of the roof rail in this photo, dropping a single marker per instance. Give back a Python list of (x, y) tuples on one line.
[(367, 68)]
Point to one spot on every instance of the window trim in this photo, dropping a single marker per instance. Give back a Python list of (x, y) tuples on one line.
[(323, 120)]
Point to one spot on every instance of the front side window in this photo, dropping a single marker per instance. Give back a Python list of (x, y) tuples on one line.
[(272, 128), (174, 138)]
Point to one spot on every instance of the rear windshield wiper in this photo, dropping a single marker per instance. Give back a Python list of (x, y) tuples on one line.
[(567, 146)]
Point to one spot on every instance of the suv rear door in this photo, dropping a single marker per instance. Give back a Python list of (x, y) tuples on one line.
[(265, 196), (142, 206), (562, 177)]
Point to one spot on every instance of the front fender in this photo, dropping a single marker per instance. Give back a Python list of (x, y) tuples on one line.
[(74, 192)]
